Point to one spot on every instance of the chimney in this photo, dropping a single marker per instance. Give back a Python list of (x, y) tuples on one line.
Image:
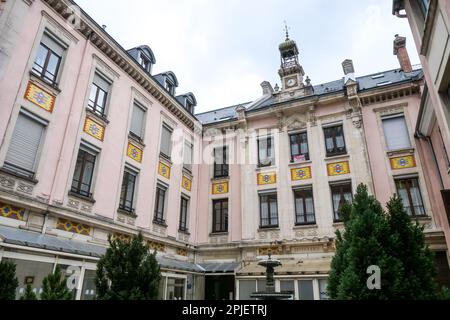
[(349, 70), (267, 87), (402, 54)]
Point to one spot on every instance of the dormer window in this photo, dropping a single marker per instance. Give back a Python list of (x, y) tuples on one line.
[(144, 62), (170, 87), (189, 106)]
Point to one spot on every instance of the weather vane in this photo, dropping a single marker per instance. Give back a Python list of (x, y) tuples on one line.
[(286, 29)]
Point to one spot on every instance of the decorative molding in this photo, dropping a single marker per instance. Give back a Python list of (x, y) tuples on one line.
[(25, 188), (7, 182)]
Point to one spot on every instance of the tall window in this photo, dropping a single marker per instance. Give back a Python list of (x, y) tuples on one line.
[(220, 215), (22, 155), (409, 191), (299, 147), (166, 141), (189, 106), (424, 6), (268, 210), (127, 191), (221, 162), (340, 193), (48, 59), (144, 62), (98, 95), (266, 155), (334, 140), (170, 87), (184, 214), (396, 132), (137, 122), (446, 199), (160, 202), (188, 155), (304, 207), (84, 171)]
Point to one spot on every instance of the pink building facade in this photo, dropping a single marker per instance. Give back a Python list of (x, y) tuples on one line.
[(95, 145)]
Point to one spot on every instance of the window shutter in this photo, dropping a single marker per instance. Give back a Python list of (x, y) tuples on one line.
[(137, 120), (396, 133), (101, 82), (188, 154), (53, 45), (166, 137), (25, 143)]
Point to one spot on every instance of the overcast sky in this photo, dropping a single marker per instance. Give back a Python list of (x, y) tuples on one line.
[(221, 50)]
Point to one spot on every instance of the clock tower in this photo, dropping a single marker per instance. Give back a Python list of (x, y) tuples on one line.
[(291, 72)]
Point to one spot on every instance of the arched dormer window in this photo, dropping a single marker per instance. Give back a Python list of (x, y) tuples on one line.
[(188, 101), (168, 80), (144, 56)]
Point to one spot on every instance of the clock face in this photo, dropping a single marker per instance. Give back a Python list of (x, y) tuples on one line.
[(291, 82)]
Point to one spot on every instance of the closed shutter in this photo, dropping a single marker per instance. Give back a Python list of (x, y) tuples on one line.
[(137, 121), (187, 155), (53, 45), (101, 82), (166, 137), (396, 133), (25, 142)]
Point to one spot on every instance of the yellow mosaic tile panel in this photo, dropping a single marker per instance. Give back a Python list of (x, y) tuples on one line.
[(403, 162), (220, 187), (266, 178), (158, 246), (186, 183), (94, 129), (182, 252), (9, 211), (301, 174), (134, 152), (40, 97), (73, 227), (164, 170), (338, 168)]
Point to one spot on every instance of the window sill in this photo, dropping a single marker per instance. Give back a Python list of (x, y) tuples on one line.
[(271, 228), (160, 223), (127, 213), (306, 225), (391, 153), (186, 232), (215, 179), (299, 163), (218, 234), (136, 140), (166, 159), (266, 168), (53, 88), (17, 175), (421, 218), (79, 196), (337, 157), (102, 119), (338, 223)]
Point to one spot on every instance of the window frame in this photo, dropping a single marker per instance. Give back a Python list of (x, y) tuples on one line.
[(93, 106), (303, 192), (167, 156), (272, 148), (159, 217), (49, 53), (188, 144), (221, 170), (336, 216), (411, 206), (335, 151), (391, 117), (299, 134), (270, 196), (183, 223), (139, 137), (223, 223), (122, 202), (77, 190)]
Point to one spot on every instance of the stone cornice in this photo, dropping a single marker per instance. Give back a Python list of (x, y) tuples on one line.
[(106, 44)]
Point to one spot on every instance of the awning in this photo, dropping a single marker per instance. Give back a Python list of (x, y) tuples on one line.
[(289, 267), (178, 264), (219, 267), (48, 242)]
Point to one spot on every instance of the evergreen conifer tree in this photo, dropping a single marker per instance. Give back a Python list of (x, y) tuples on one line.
[(8, 280), (54, 287)]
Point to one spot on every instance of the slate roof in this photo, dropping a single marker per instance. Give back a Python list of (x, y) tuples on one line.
[(367, 82)]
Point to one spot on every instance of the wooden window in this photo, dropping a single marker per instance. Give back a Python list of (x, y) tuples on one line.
[(48, 59), (340, 194), (84, 171), (334, 141), (266, 155), (304, 207), (184, 214), (268, 210), (220, 216), (127, 191), (98, 95), (409, 191), (221, 168), (299, 147), (160, 204)]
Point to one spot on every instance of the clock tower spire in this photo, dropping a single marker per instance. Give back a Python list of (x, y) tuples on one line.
[(291, 72)]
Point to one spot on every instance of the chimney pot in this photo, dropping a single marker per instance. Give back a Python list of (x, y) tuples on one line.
[(347, 66), (402, 53), (267, 87)]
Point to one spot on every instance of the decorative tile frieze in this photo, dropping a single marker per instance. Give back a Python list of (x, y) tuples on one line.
[(266, 178), (338, 168), (40, 97), (264, 251), (403, 162), (12, 212), (182, 252), (94, 129), (74, 227), (186, 183), (121, 236), (164, 170), (158, 246), (134, 152), (298, 174), (220, 187)]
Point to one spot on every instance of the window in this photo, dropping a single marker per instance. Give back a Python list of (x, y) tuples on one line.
[(188, 155), (160, 202), (189, 106), (408, 190), (137, 122), (170, 87), (446, 199), (288, 286), (265, 152), (84, 171), (184, 214), (305, 290), (220, 216), (246, 288), (175, 288), (340, 194), (48, 59), (396, 132), (144, 62), (268, 210), (334, 140), (22, 155), (323, 289), (89, 290), (299, 147), (221, 162), (166, 141), (98, 95), (424, 6), (127, 191), (304, 207)]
